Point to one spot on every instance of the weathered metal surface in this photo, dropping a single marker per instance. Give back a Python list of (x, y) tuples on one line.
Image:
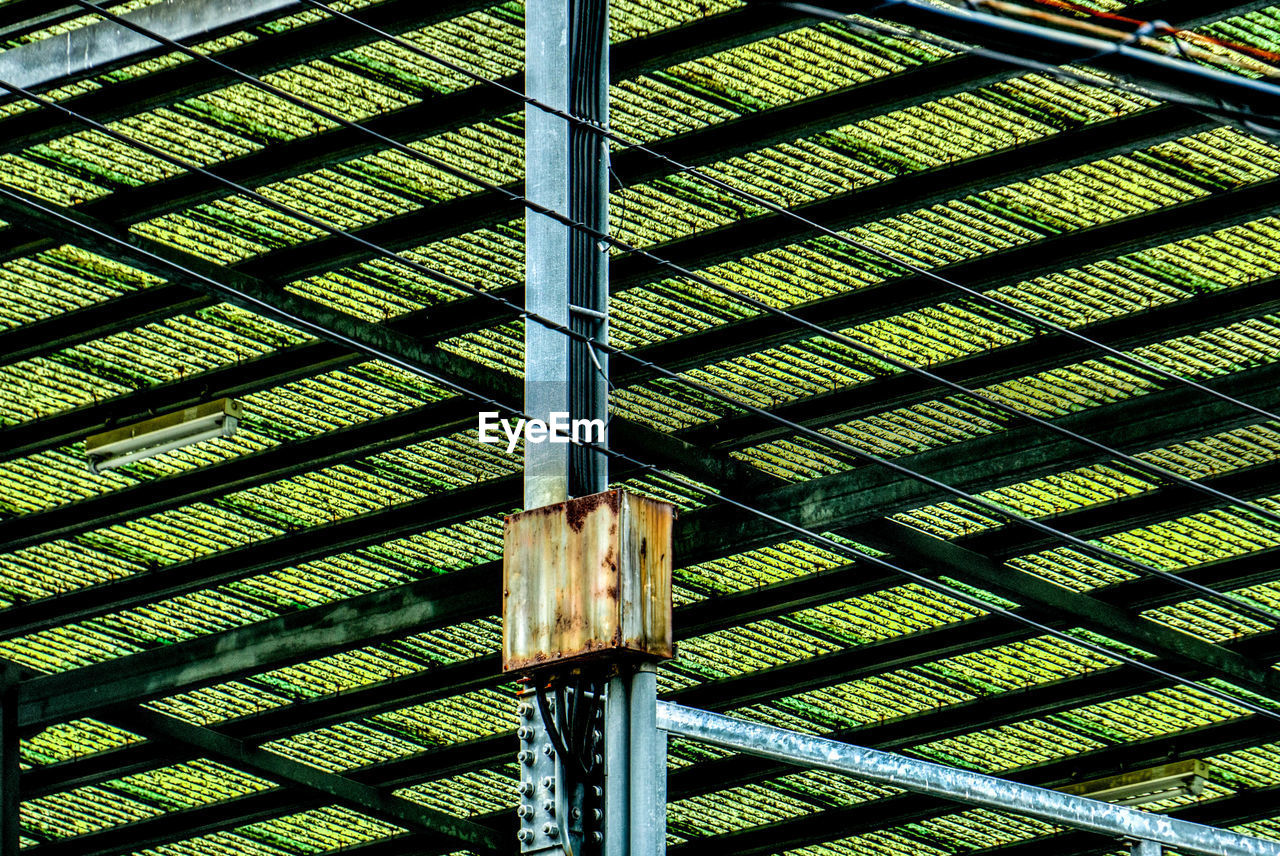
[(953, 783), (585, 576)]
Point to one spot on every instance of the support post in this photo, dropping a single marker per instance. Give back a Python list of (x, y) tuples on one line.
[(648, 767), (567, 282), (566, 269), (1145, 848), (9, 775)]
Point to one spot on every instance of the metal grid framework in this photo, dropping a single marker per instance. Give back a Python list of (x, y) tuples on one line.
[(286, 642)]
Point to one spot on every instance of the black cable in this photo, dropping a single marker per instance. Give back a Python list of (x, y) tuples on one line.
[(685, 169), (1148, 467), (687, 483), (552, 724), (1106, 554), (1100, 552)]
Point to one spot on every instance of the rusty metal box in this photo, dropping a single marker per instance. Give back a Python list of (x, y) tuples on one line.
[(587, 577)]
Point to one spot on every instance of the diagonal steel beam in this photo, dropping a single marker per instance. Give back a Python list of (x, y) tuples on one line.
[(935, 556), (1043, 352), (365, 620), (363, 797)]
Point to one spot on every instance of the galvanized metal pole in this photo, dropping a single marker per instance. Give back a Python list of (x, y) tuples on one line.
[(617, 766), (1146, 848), (566, 281), (648, 770), (1152, 830), (9, 775), (566, 270)]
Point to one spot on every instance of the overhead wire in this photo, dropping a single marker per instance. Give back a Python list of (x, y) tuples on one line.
[(332, 335), (1105, 554), (682, 168), (813, 537)]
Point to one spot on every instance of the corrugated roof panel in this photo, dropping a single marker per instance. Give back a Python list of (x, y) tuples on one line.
[(470, 794), (62, 280), (319, 830)]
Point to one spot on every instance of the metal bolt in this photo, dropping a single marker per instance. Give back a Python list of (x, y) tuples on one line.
[(597, 837), (549, 784), (596, 815), (576, 814), (597, 791), (549, 830), (526, 788), (524, 811), (524, 710), (549, 807), (524, 732), (548, 751), (524, 756), (525, 836)]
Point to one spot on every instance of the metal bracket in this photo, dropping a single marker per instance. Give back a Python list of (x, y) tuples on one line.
[(558, 810), (540, 777)]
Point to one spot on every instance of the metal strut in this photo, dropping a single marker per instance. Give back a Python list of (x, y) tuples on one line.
[(1151, 831)]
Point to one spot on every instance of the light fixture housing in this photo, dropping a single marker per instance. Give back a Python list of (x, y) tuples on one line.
[(119, 446), (1139, 787)]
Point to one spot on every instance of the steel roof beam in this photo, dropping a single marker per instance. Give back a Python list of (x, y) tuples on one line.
[(340, 789), (177, 826), (696, 349), (105, 45), (365, 620), (1043, 352), (697, 619), (934, 557), (897, 295), (992, 460), (494, 496)]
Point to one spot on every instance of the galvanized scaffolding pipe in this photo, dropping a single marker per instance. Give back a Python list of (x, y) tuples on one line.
[(961, 785)]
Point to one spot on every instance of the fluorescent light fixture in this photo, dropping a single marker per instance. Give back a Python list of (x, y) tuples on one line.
[(120, 446), (1139, 787)]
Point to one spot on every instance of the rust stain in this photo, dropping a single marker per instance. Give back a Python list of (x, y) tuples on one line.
[(578, 510), (576, 551)]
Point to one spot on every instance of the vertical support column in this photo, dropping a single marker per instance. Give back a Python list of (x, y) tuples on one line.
[(617, 769), (648, 767), (1146, 848), (9, 801), (567, 282), (566, 269)]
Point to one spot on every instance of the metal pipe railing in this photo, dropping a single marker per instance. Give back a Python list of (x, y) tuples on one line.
[(953, 783)]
